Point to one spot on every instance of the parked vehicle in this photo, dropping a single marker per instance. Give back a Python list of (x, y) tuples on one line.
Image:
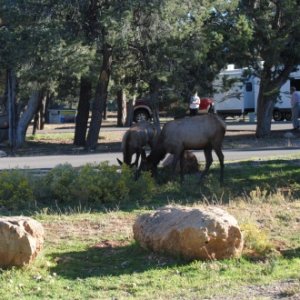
[(142, 110), (241, 98)]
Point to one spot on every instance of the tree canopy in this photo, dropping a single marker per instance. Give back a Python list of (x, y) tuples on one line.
[(272, 50), (143, 47)]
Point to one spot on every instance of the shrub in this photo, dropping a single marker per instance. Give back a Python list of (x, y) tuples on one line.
[(256, 240), (90, 185), (142, 189), (16, 190), (57, 184), (99, 184)]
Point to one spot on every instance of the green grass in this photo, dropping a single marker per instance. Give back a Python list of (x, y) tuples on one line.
[(92, 254), (51, 137)]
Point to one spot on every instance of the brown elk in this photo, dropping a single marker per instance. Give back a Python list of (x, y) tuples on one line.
[(190, 163), (134, 141), (204, 132)]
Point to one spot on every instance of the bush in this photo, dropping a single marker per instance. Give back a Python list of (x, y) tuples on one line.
[(256, 240), (16, 191), (57, 184), (142, 189), (93, 184), (65, 185), (99, 184)]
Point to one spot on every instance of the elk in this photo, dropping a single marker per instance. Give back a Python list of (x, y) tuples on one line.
[(190, 163), (204, 132), (134, 141)]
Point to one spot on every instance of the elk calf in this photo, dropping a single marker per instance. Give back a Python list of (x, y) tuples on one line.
[(190, 163)]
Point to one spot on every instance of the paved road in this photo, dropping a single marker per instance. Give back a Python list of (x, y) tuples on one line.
[(78, 160), (46, 162)]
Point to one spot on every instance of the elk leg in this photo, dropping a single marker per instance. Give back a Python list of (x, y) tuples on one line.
[(221, 160), (140, 153), (181, 166), (174, 163), (208, 160), (143, 154), (137, 157)]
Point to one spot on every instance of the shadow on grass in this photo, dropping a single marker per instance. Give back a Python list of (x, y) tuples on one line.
[(109, 261), (37, 148), (240, 178), (291, 253)]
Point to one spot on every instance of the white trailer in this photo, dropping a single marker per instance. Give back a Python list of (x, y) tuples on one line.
[(241, 97)]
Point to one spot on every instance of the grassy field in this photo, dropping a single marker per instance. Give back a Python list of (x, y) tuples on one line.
[(91, 254)]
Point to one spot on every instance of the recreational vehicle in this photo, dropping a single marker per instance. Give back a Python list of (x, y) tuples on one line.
[(240, 98)]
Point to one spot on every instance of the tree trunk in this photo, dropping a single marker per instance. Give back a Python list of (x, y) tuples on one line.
[(100, 99), (35, 123), (154, 90), (122, 109), (26, 117), (129, 111), (129, 107), (265, 107), (38, 122), (42, 111), (269, 91), (83, 111), (47, 105), (11, 106), (105, 111)]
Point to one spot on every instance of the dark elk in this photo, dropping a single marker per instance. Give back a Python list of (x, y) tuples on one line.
[(134, 141), (204, 132)]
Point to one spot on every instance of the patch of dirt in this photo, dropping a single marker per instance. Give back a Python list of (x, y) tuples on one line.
[(285, 290), (109, 244), (87, 230)]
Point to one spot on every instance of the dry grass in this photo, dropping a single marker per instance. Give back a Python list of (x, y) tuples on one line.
[(109, 227)]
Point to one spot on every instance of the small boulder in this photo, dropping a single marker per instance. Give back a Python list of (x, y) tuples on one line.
[(21, 239), (191, 232)]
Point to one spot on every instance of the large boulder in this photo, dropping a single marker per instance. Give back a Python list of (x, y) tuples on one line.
[(21, 239), (190, 232)]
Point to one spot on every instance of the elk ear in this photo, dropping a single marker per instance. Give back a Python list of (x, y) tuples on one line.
[(120, 163)]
